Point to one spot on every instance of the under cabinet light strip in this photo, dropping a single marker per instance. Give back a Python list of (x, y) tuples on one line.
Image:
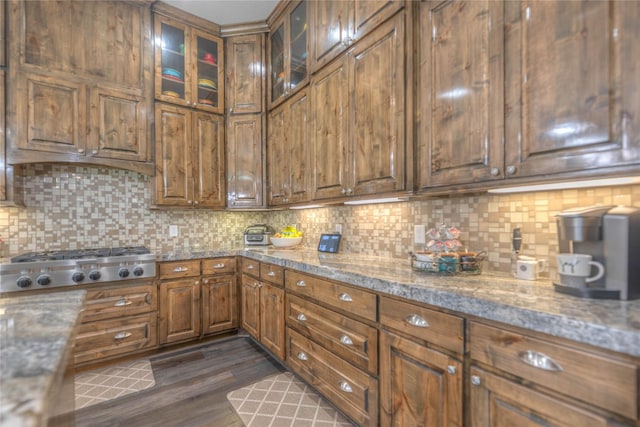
[(605, 182)]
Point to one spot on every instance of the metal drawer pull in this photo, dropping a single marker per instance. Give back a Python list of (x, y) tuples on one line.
[(301, 283), (250, 267), (344, 386), (539, 360), (218, 266), (180, 269), (415, 320), (302, 356), (121, 335), (344, 339), (122, 303), (345, 297), (301, 317), (451, 369), (271, 273)]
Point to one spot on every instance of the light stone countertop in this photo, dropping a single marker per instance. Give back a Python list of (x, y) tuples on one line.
[(35, 332), (608, 324)]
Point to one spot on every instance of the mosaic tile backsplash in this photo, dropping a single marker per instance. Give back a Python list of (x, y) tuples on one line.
[(68, 207)]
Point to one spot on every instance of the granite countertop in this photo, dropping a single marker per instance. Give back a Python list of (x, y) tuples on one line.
[(35, 332), (608, 324)]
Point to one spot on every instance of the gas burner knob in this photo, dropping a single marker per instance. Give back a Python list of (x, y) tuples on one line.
[(123, 272), (78, 276), (24, 282), (138, 271), (94, 275), (44, 280)]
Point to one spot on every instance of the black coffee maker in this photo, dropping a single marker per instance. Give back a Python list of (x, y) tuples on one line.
[(611, 235)]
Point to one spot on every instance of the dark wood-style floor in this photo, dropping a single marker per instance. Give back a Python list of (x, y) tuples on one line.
[(191, 388)]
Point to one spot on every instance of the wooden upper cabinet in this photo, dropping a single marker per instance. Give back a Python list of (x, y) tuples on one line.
[(289, 152), (288, 47), (360, 117), (80, 83), (571, 86), (245, 161), (460, 92), (337, 24), (3, 35), (190, 158), (244, 72), (189, 65)]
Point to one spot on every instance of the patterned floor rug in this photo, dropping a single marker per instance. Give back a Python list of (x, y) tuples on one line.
[(107, 383), (284, 401)]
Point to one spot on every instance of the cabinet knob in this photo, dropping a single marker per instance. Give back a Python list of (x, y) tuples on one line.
[(349, 191), (344, 339), (250, 267), (416, 320), (195, 202), (301, 317), (271, 273), (475, 380), (302, 356), (511, 170), (343, 191), (220, 265), (345, 297), (230, 110), (301, 283), (81, 150), (205, 281), (344, 386), (451, 369), (94, 151), (494, 171), (197, 282)]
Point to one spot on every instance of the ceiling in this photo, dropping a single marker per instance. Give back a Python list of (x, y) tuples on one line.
[(227, 12)]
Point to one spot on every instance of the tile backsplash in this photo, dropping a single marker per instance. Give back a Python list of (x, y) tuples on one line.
[(69, 207)]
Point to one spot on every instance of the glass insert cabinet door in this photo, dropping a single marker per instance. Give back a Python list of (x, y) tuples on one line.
[(208, 81), (277, 63), (174, 64), (298, 46)]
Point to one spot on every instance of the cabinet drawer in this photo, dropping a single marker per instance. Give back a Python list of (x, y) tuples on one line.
[(355, 301), (178, 269), (272, 273), (595, 379), (351, 340), (218, 266), (111, 302), (251, 267), (351, 390), (423, 323), (107, 338)]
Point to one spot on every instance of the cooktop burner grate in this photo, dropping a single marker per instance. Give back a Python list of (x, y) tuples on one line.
[(80, 254)]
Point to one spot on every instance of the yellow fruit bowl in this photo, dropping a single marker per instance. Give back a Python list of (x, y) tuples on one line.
[(285, 242)]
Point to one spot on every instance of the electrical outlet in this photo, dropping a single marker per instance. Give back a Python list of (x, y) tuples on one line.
[(419, 234), (338, 228), (173, 231)]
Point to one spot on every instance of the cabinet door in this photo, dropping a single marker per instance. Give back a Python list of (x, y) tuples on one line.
[(119, 124), (297, 66), (277, 157), (330, 101), (207, 83), (250, 295), (377, 116), (571, 86), (174, 168), (299, 150), (245, 62), (272, 319), (418, 385), (244, 161), (219, 304), (498, 402), (179, 310), (173, 61), (52, 115), (460, 92), (368, 14), (209, 185), (330, 30), (3, 173), (277, 76)]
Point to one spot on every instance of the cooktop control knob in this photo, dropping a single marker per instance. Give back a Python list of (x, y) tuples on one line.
[(24, 282), (78, 276), (138, 271), (94, 275), (123, 272), (44, 280)]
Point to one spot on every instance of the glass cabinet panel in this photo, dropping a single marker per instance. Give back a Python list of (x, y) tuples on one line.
[(298, 46), (207, 66), (277, 63), (173, 62)]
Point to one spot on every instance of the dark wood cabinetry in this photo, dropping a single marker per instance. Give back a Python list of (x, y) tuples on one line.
[(189, 158), (180, 309), (244, 73), (359, 124), (76, 104), (245, 161), (219, 295)]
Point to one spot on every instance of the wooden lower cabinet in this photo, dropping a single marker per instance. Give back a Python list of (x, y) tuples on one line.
[(419, 386), (117, 320), (272, 319), (179, 310), (219, 304), (498, 402), (250, 295)]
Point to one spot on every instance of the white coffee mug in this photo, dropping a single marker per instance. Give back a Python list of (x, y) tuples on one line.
[(578, 267), (529, 268)]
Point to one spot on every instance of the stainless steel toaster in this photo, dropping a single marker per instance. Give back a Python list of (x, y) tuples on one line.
[(258, 235)]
